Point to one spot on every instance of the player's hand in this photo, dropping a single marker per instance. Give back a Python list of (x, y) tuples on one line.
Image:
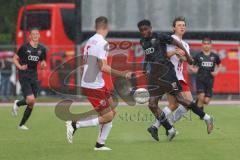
[(214, 73), (43, 65), (180, 52), (129, 75), (23, 67)]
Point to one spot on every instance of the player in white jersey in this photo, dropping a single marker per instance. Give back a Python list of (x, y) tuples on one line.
[(93, 85), (177, 57)]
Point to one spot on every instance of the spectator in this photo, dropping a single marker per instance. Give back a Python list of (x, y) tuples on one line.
[(6, 71)]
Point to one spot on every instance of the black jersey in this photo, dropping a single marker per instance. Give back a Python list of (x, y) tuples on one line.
[(206, 64), (155, 49), (31, 56)]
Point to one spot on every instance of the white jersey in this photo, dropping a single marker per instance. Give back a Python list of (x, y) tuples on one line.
[(95, 48), (178, 65)]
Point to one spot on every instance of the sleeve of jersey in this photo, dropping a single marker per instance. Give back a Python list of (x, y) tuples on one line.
[(20, 51), (102, 51), (165, 38), (218, 60), (195, 58), (43, 55)]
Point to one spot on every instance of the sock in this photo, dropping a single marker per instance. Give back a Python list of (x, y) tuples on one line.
[(21, 103), (179, 113), (206, 117), (26, 115), (167, 111), (196, 110), (87, 123), (163, 120), (104, 130), (156, 124)]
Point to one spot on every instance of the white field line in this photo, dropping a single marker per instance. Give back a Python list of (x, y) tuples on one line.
[(52, 104)]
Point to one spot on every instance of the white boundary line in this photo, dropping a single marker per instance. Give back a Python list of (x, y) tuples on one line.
[(52, 104)]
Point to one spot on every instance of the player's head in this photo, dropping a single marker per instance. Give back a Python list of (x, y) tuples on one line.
[(179, 26), (101, 25), (34, 34), (145, 28), (206, 44)]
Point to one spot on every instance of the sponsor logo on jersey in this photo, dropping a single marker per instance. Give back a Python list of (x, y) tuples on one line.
[(33, 58), (149, 51), (212, 58), (39, 52), (207, 64), (201, 58), (174, 85), (28, 52), (153, 41)]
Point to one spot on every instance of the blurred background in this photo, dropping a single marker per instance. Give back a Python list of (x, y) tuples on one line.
[(65, 23)]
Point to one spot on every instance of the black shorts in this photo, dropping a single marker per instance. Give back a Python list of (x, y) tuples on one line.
[(29, 86), (205, 86), (159, 84)]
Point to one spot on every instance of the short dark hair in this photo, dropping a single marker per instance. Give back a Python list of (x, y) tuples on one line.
[(33, 28), (206, 40), (180, 18), (101, 22), (144, 22)]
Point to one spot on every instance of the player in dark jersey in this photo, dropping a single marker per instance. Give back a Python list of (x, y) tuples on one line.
[(26, 60), (162, 76), (206, 62)]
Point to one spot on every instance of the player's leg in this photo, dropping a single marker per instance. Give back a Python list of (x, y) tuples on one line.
[(161, 117), (208, 92), (181, 110), (30, 100), (102, 102), (172, 105), (191, 105), (18, 103), (29, 89), (201, 88)]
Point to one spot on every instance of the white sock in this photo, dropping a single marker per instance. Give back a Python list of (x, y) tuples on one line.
[(104, 130), (157, 124), (167, 111), (87, 123), (206, 117), (179, 113)]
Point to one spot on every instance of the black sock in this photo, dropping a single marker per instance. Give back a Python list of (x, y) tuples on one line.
[(26, 115), (21, 103), (163, 120), (198, 111), (98, 145), (74, 125), (201, 108)]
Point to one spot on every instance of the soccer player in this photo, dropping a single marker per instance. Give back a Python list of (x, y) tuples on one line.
[(162, 76), (93, 85), (26, 61), (179, 29), (208, 65)]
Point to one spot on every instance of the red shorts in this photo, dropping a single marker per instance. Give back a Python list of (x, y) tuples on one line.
[(97, 97), (184, 85)]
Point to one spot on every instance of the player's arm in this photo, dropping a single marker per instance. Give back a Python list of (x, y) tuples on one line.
[(176, 52), (218, 67), (104, 67), (43, 63), (179, 45), (16, 60)]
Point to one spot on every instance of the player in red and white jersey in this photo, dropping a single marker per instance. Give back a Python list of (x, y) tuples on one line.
[(93, 85), (177, 57)]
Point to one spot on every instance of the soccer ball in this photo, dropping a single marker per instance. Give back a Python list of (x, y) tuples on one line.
[(141, 95)]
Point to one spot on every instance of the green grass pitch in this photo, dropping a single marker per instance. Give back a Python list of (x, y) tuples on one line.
[(129, 139)]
